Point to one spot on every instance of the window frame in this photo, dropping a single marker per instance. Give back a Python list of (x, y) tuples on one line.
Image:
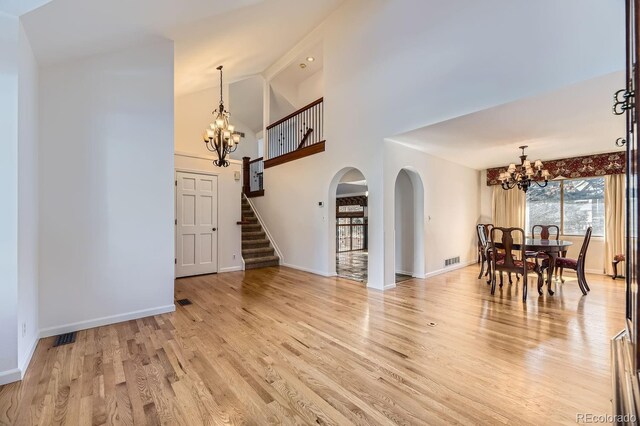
[(562, 233)]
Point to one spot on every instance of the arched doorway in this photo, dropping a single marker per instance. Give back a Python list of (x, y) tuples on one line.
[(409, 225), (351, 224)]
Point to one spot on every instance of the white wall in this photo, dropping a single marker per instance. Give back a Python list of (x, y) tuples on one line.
[(486, 199), (19, 209), (311, 89), (287, 96), (381, 83), (404, 221), (28, 215), (193, 116), (9, 27), (106, 188), (450, 209), (229, 207)]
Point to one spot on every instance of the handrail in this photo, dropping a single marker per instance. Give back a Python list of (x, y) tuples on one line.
[(256, 160), (293, 114)]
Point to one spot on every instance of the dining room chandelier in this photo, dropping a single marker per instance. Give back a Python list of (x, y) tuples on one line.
[(221, 137), (524, 175)]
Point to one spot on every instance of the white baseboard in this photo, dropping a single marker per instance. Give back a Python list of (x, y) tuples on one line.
[(588, 271), (405, 273), (27, 360), (98, 322), (390, 286), (449, 269), (10, 376), (231, 269), (311, 271)]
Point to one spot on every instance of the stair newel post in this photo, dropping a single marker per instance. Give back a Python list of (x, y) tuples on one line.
[(246, 184)]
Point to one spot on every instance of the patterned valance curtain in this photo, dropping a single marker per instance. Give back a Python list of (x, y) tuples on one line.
[(613, 163)]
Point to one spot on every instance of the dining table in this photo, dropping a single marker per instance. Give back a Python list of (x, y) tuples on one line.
[(552, 248)]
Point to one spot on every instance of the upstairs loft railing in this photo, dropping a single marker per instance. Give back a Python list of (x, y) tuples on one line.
[(253, 171), (297, 135)]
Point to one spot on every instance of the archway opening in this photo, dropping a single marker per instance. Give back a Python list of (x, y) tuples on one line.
[(409, 225), (351, 230)]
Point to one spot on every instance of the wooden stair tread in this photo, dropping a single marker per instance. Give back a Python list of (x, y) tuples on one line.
[(257, 250), (256, 241), (262, 259)]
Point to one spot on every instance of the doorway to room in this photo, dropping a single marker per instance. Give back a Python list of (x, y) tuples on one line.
[(409, 225), (351, 231)]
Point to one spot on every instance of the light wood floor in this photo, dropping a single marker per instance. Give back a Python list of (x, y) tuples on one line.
[(282, 346)]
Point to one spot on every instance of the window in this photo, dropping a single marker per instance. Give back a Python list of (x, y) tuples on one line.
[(350, 209), (543, 205), (572, 204)]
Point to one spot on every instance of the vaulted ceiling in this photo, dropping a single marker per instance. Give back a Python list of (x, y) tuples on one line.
[(245, 35)]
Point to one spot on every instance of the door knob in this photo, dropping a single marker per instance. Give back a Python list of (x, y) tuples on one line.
[(214, 229)]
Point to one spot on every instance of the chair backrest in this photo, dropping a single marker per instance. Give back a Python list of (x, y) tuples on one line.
[(506, 238), (483, 230), (546, 231), (585, 245)]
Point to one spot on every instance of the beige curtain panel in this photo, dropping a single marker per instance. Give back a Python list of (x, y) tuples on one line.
[(614, 219), (508, 208)]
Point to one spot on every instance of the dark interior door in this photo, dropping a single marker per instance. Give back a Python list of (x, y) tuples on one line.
[(626, 102)]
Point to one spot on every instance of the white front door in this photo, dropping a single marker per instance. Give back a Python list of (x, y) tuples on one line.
[(196, 224)]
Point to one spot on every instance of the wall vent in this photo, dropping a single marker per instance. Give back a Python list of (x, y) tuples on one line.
[(65, 339), (451, 261)]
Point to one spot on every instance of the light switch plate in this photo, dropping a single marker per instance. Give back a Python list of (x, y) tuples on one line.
[(236, 175)]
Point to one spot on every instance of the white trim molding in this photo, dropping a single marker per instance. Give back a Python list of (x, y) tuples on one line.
[(232, 269), (204, 157), (27, 360), (10, 376), (99, 322), (449, 269), (303, 269)]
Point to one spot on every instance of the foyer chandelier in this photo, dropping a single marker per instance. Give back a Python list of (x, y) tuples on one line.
[(524, 175), (221, 137)]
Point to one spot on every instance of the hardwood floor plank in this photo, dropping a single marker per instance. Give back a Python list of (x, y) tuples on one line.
[(280, 346)]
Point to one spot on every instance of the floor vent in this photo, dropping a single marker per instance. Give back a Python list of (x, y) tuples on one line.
[(65, 339), (184, 302), (452, 261)]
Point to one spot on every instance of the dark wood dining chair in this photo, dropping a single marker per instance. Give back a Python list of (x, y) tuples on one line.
[(511, 263), (617, 259), (575, 264), (482, 230), (546, 232)]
